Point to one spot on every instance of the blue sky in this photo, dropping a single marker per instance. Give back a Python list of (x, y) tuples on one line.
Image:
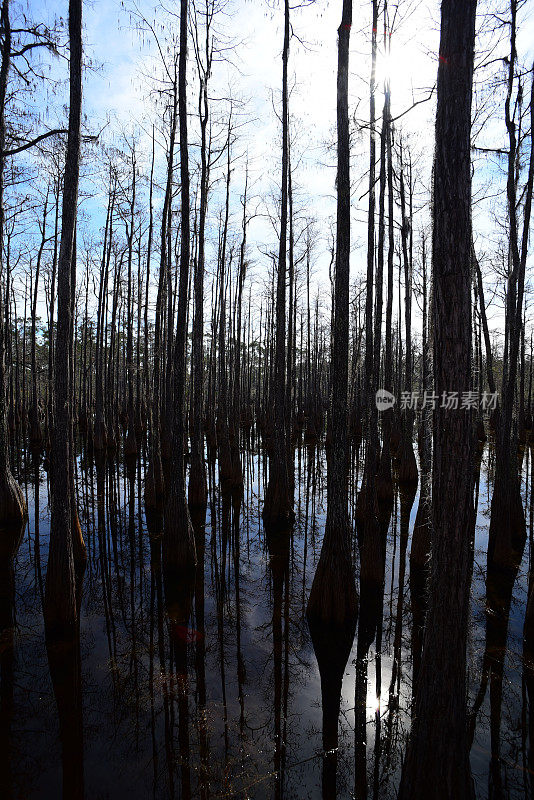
[(116, 91)]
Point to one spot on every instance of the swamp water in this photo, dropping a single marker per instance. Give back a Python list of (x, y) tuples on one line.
[(229, 705)]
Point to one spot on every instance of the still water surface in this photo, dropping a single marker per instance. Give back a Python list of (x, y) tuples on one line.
[(229, 706)]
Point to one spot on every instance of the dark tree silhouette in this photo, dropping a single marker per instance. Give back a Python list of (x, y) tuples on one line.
[(437, 759), (12, 502), (278, 510), (333, 603), (60, 601), (178, 537)]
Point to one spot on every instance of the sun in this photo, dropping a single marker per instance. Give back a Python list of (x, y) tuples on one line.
[(407, 70), (393, 66)]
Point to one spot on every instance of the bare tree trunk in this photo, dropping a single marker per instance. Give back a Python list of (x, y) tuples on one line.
[(237, 468), (60, 602), (100, 432), (437, 759), (154, 484), (484, 319), (333, 596), (420, 549), (36, 436), (371, 550), (370, 407), (197, 476), (507, 525), (57, 192), (223, 434), (277, 510), (12, 503), (333, 603), (408, 475), (130, 444), (178, 538)]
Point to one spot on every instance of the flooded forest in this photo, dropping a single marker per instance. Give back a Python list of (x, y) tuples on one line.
[(266, 408)]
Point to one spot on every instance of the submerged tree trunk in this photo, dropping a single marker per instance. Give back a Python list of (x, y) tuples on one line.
[(60, 602), (507, 525), (408, 475), (333, 603), (197, 476), (437, 759), (371, 549), (100, 429), (278, 510), (154, 483), (421, 537), (333, 596), (178, 538)]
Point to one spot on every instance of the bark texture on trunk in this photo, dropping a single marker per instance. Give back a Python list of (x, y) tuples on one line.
[(178, 539), (437, 759), (60, 600), (333, 596)]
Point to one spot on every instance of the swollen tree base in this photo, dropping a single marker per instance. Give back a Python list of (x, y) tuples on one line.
[(333, 600), (36, 433), (13, 509), (10, 540), (332, 614), (197, 490), (507, 531), (130, 443), (384, 479), (278, 513), (154, 484), (408, 475)]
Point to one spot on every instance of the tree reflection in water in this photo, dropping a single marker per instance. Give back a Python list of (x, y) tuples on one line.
[(210, 687)]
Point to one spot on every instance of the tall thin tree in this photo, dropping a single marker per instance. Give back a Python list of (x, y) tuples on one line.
[(278, 510), (178, 539), (437, 759), (333, 603), (12, 503), (60, 601)]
